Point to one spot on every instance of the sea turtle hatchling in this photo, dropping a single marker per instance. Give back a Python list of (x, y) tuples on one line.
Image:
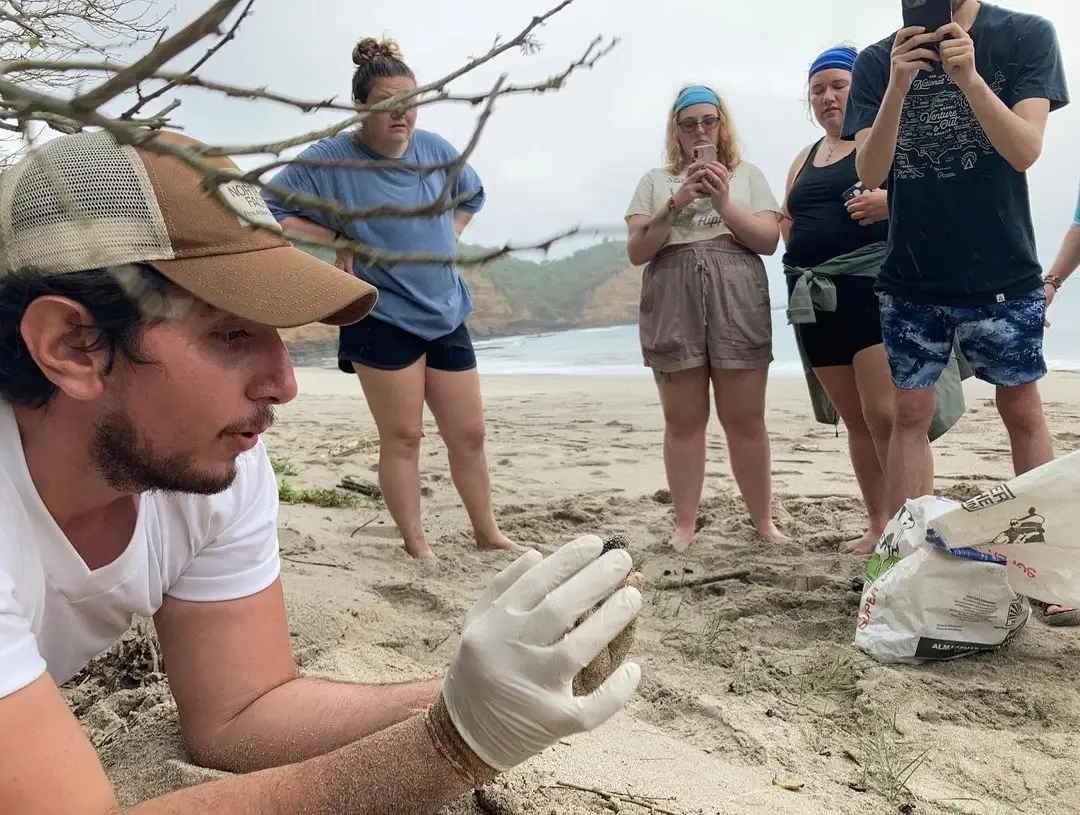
[(593, 675)]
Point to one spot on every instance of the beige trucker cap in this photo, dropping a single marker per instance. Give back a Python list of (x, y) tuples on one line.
[(85, 202)]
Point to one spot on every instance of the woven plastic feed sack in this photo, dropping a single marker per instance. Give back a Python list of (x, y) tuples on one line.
[(1032, 523), (923, 603)]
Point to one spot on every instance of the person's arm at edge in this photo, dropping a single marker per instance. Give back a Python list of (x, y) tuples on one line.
[(1068, 256), (408, 768)]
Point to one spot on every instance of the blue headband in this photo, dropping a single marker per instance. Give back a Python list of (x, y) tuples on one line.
[(842, 57), (695, 95)]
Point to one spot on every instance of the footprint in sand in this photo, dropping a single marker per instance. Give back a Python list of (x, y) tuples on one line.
[(408, 594)]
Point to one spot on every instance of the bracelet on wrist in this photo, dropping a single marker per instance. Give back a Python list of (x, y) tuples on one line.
[(1053, 280)]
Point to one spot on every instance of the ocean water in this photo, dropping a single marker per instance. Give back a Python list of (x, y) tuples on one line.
[(615, 351)]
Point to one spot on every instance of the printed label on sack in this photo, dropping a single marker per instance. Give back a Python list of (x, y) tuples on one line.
[(245, 200), (992, 497)]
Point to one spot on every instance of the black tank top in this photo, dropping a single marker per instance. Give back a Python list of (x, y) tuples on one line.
[(823, 229)]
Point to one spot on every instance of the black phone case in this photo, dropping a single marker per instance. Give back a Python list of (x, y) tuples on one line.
[(930, 14), (855, 189)]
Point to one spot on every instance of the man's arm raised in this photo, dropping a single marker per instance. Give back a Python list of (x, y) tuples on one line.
[(884, 88)]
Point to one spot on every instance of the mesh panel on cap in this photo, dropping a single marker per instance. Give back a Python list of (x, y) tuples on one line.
[(80, 202)]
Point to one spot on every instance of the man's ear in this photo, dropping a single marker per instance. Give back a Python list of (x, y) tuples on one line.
[(60, 335)]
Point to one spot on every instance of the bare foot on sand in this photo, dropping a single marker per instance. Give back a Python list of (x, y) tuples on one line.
[(1058, 616), (772, 534), (860, 547), (682, 539), (495, 543), (419, 550)]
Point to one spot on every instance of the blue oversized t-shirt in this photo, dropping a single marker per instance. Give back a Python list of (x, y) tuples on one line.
[(427, 300), (960, 227)]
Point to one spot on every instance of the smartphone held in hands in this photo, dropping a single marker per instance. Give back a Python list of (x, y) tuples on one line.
[(929, 14), (858, 188), (704, 153)]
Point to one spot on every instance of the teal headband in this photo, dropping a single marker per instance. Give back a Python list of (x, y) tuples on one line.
[(695, 95)]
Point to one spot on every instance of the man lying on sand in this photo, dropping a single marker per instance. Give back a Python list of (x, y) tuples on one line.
[(139, 364)]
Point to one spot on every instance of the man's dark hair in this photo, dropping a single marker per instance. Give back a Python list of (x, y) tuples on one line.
[(123, 301)]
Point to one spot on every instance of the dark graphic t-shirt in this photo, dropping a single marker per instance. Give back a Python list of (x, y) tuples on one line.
[(960, 229)]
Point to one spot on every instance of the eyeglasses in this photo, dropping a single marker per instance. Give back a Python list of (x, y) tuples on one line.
[(707, 122)]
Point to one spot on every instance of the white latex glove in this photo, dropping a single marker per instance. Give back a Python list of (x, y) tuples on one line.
[(509, 687)]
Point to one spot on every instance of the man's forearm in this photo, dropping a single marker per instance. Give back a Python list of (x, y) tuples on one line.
[(874, 157), (1068, 257), (1018, 141), (400, 770), (308, 717)]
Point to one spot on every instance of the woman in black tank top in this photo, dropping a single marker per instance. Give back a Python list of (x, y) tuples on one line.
[(824, 220)]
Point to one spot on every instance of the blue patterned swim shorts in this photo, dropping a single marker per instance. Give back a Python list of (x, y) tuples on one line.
[(1002, 341)]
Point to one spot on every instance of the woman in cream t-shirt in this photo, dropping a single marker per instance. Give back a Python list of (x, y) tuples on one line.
[(701, 227)]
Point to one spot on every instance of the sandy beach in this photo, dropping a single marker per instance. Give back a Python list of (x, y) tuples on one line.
[(753, 700)]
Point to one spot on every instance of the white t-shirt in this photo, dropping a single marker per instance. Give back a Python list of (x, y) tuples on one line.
[(57, 615), (700, 221)]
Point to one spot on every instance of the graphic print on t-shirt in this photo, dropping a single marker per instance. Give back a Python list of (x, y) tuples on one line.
[(701, 214), (939, 133)]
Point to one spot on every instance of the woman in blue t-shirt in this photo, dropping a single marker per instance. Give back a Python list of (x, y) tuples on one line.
[(835, 234), (414, 347)]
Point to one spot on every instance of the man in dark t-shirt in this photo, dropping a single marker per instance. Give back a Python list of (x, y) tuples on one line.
[(952, 119)]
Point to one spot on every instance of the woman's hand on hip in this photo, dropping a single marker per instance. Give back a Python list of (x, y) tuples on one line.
[(344, 260)]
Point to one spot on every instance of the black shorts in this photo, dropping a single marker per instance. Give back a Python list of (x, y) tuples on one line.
[(839, 335), (376, 343)]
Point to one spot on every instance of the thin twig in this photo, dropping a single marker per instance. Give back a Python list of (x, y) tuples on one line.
[(129, 77), (643, 801), (328, 565), (22, 102), (213, 49), (704, 580), (365, 524)]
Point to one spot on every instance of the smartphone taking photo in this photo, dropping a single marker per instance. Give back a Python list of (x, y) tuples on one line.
[(704, 153), (929, 14)]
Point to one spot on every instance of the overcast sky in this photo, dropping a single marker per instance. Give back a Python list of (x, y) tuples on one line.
[(554, 160)]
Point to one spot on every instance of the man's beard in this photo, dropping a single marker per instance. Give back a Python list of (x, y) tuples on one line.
[(130, 464), (956, 4)]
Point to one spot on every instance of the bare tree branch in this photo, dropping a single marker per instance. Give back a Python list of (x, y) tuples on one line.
[(230, 35), (129, 77), (64, 29), (23, 102)]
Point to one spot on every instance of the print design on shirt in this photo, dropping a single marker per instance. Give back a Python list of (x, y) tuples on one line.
[(938, 130), (700, 214)]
